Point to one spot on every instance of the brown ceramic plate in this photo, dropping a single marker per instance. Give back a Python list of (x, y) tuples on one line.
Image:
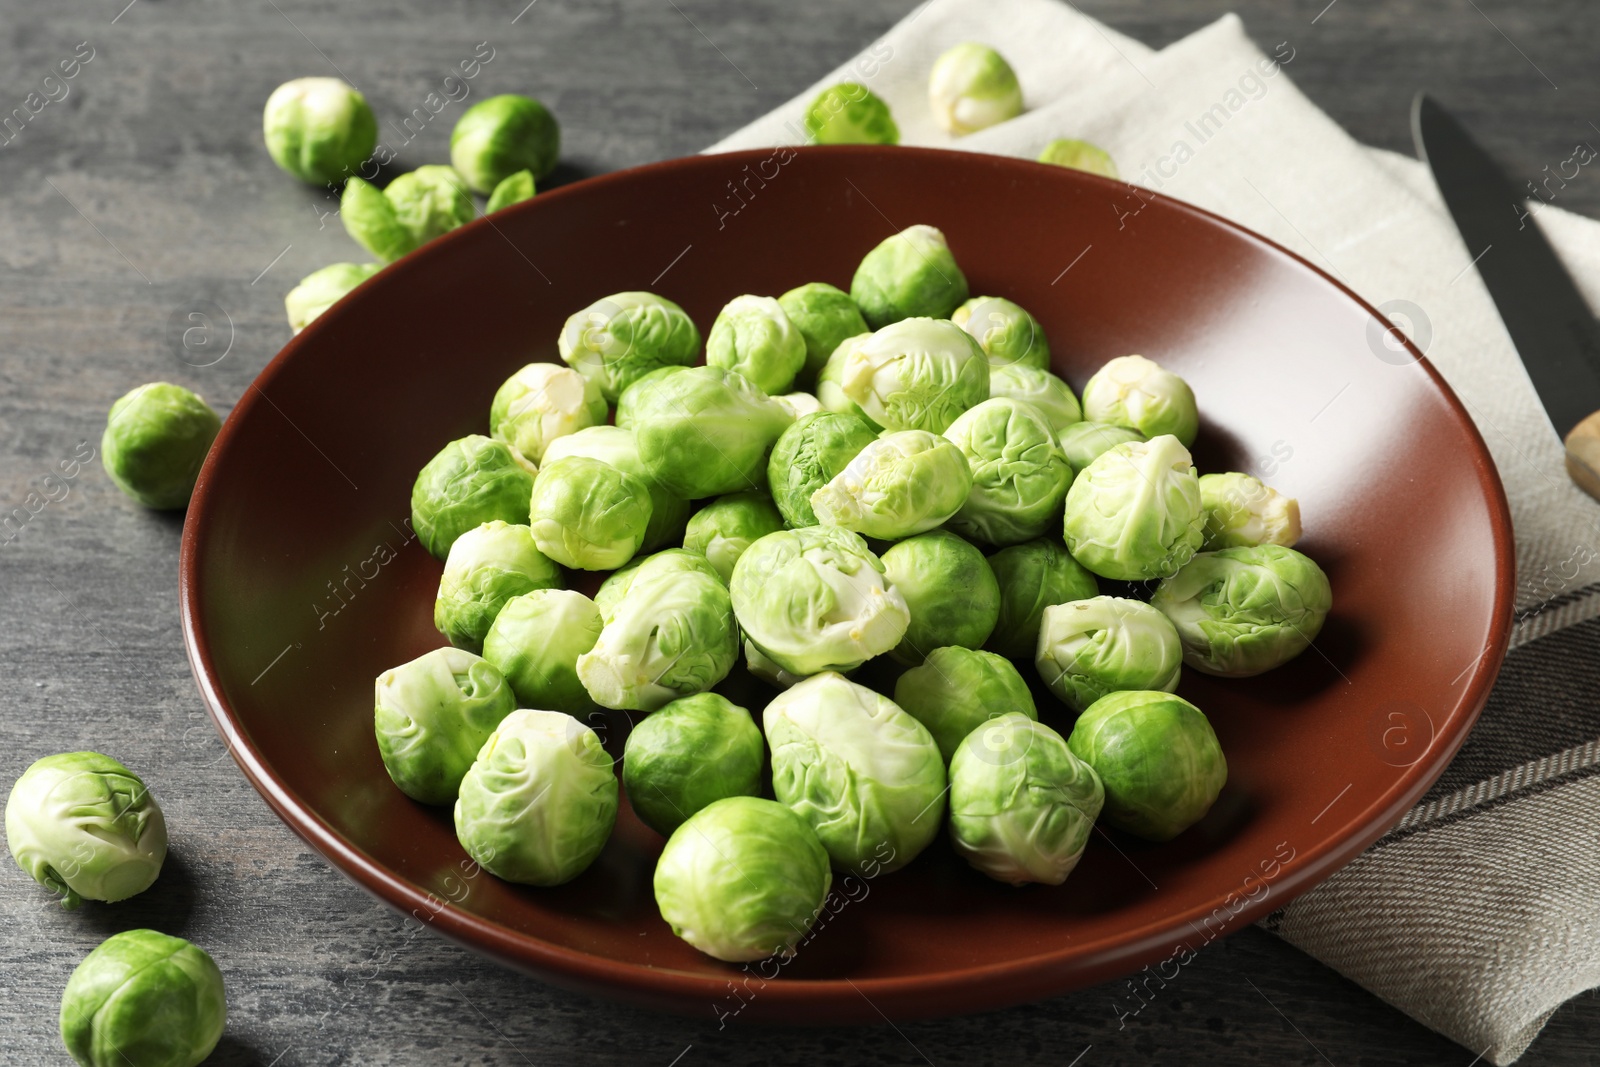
[(300, 583)]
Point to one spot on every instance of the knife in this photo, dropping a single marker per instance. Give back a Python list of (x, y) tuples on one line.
[(1548, 320)]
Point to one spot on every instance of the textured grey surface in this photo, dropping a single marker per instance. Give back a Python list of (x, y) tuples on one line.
[(145, 194)]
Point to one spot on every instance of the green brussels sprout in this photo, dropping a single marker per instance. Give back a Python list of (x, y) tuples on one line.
[(901, 484), (318, 129), (321, 289), (628, 399), (1138, 393), (917, 374), (850, 113), (1079, 155), (539, 802), (809, 455), (957, 690), (536, 641), (1135, 512), (497, 137), (667, 561), (471, 481), (1021, 804), (143, 998), (432, 715), (413, 210), (1005, 331), (1157, 757), (1019, 476), (830, 390), (542, 402), (799, 405), (85, 827), (866, 776), (971, 88), (691, 753), (706, 432), (588, 515), (512, 189), (1084, 442), (816, 599), (753, 335), (742, 879), (616, 446), (620, 338), (949, 589), (760, 666), (487, 566), (1242, 512), (910, 274), (670, 635), (1106, 644), (1242, 611), (370, 220), (825, 317), (724, 528), (1033, 576), (156, 438), (1049, 394)]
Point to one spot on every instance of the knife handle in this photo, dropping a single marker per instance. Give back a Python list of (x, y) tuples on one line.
[(1583, 455)]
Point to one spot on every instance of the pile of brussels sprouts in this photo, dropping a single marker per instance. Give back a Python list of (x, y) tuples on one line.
[(888, 475)]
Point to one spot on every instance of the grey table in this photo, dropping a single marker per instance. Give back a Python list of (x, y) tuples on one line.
[(144, 193)]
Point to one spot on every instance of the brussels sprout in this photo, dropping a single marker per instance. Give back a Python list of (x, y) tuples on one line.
[(830, 390), (901, 484), (667, 561), (1242, 512), (950, 592), (1021, 804), (799, 405), (487, 566), (1079, 155), (1088, 648), (706, 432), (972, 88), (816, 599), (370, 220), (1135, 513), (1005, 331), (471, 481), (413, 210), (1032, 577), (1049, 394), (957, 690), (588, 515), (1084, 442), (692, 752), (850, 113), (742, 880), (757, 663), (536, 641), (538, 804), (156, 438), (918, 374), (620, 338), (143, 998), (724, 528), (497, 137), (513, 189), (1019, 476), (85, 827), (1241, 611), (321, 289), (910, 274), (825, 317), (542, 402), (866, 776), (809, 455), (1138, 393), (753, 335), (616, 446), (318, 129), (628, 399), (670, 635), (1157, 758), (432, 715)]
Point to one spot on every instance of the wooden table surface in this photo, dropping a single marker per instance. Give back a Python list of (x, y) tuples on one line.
[(145, 194)]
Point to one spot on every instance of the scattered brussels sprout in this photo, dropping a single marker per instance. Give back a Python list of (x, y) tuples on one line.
[(1242, 611), (321, 289), (910, 274), (640, 386), (1021, 804), (901, 484), (667, 561), (742, 880), (471, 481), (536, 641), (1088, 648), (1084, 442), (413, 210), (950, 592), (140, 998), (1005, 331), (588, 515), (757, 663), (1135, 513), (866, 776), (753, 335), (724, 528), (432, 715), (957, 690), (85, 827), (538, 804), (850, 113), (1157, 757), (497, 137), (825, 317), (542, 402), (1242, 512), (156, 438), (616, 446), (1079, 155), (972, 88), (809, 455), (620, 338), (318, 129), (691, 753), (799, 405), (917, 374), (706, 432), (487, 566), (1019, 476), (1139, 393), (513, 189), (1032, 577), (830, 390), (816, 599), (370, 220), (1046, 392)]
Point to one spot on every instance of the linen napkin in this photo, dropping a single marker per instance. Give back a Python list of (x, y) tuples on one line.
[(1476, 915)]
